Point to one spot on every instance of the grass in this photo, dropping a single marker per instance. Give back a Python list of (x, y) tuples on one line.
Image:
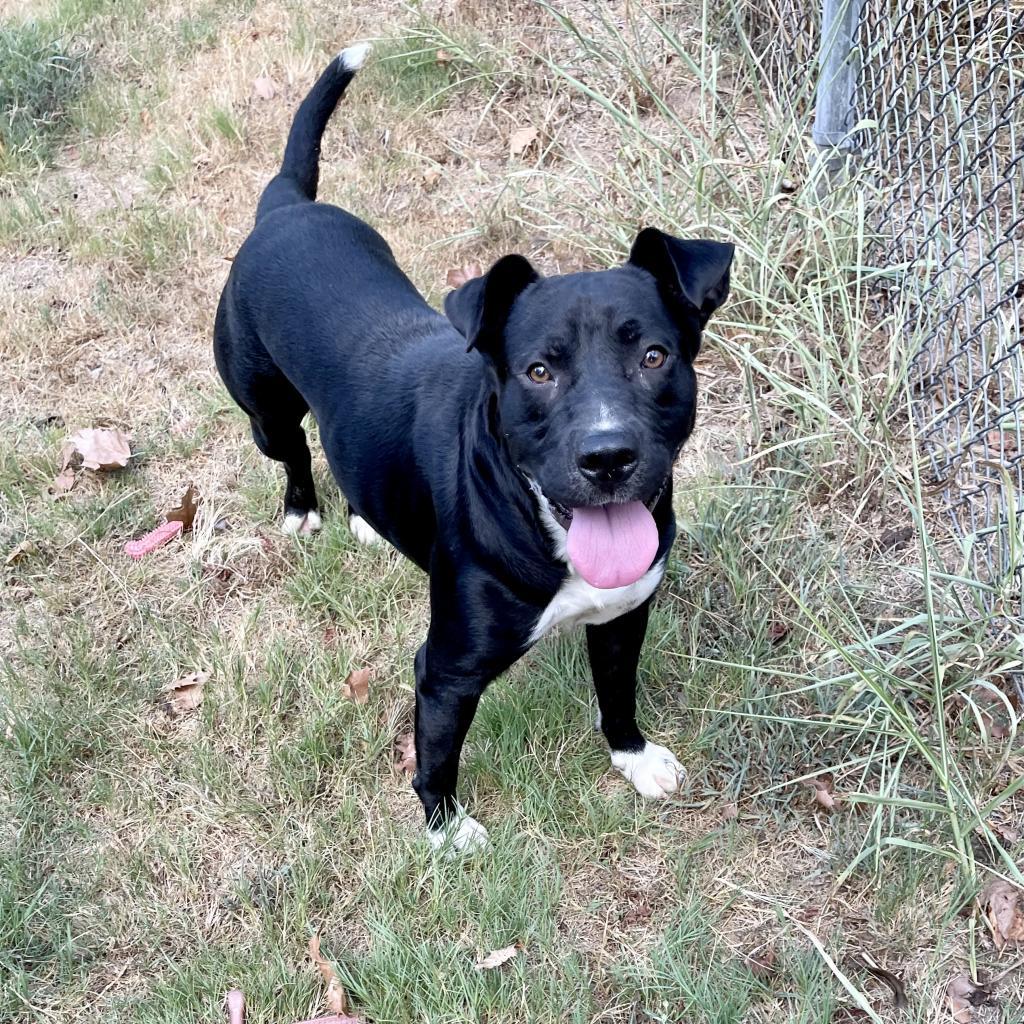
[(150, 861), (42, 77)]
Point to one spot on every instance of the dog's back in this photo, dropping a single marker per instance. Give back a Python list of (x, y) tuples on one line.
[(317, 315)]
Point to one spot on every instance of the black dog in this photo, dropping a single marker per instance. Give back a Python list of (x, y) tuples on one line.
[(519, 451)]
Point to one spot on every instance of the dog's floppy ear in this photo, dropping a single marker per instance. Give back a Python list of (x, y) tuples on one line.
[(479, 308), (695, 271)]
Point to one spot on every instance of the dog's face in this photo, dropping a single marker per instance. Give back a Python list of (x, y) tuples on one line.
[(595, 388)]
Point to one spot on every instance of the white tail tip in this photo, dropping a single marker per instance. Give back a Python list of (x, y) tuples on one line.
[(352, 57)]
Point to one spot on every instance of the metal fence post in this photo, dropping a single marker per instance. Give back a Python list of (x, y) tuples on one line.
[(837, 78)]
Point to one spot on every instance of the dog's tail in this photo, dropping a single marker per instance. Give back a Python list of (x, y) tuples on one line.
[(300, 170)]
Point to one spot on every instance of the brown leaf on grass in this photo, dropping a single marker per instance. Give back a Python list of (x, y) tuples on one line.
[(102, 448), (522, 139), (761, 961), (458, 276), (186, 694), (992, 712), (236, 1007), (1002, 442), (1007, 834), (824, 795), (20, 551), (1003, 905), (895, 984), (894, 539), (65, 478), (264, 87), (962, 995), (335, 995), (356, 687), (996, 730), (185, 512), (498, 957), (405, 753)]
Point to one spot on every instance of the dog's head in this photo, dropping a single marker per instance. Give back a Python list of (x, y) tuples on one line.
[(595, 391)]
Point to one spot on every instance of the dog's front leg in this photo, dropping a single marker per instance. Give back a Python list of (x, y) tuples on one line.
[(614, 650), (477, 630), (445, 706)]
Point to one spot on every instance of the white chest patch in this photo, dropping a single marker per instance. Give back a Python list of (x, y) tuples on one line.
[(577, 603)]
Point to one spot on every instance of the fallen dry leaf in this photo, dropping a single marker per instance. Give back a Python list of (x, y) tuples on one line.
[(20, 551), (498, 957), (1007, 834), (264, 87), (894, 539), (521, 140), (992, 712), (102, 448), (895, 984), (65, 478), (236, 1007), (823, 793), (405, 753), (186, 694), (62, 483), (761, 962), (1002, 442), (356, 687), (458, 276), (962, 995), (335, 996), (996, 730), (1003, 906), (185, 512)]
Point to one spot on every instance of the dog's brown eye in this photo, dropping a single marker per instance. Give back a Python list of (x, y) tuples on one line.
[(539, 373), (654, 358)]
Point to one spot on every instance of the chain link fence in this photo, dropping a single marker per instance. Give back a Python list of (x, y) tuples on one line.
[(929, 95)]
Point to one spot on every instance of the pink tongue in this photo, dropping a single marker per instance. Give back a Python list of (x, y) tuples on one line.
[(612, 545)]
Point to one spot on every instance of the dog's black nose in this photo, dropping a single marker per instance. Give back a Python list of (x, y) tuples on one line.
[(607, 458)]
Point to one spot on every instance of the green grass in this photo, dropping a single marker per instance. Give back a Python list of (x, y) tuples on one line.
[(409, 72), (149, 861), (41, 76)]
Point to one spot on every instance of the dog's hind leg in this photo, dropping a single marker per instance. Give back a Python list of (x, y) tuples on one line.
[(275, 410), (280, 437)]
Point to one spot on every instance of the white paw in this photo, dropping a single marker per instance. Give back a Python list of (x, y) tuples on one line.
[(463, 834), (296, 524), (364, 532), (654, 771)]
